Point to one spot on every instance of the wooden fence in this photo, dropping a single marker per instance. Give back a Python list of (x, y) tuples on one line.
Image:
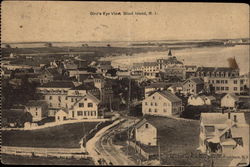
[(139, 150), (45, 152)]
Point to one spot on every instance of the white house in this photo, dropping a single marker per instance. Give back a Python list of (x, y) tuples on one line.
[(175, 88), (232, 101), (38, 109), (85, 108), (162, 103), (229, 100), (61, 115), (200, 100), (154, 87), (146, 133), (224, 133)]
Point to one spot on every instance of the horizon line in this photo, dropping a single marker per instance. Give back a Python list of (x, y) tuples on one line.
[(14, 42)]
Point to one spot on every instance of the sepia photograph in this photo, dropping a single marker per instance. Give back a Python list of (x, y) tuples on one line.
[(93, 83)]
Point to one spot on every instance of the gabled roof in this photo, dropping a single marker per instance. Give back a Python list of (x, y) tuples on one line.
[(34, 103), (90, 76), (220, 118), (63, 110), (171, 97), (146, 64), (89, 96), (235, 97), (85, 86), (58, 84), (215, 69), (157, 85), (195, 80), (52, 71)]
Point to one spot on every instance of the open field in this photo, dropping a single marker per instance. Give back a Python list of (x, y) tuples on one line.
[(65, 136), (20, 160)]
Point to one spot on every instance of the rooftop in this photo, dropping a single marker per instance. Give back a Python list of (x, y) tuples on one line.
[(85, 86), (36, 103), (220, 118), (59, 84), (171, 97)]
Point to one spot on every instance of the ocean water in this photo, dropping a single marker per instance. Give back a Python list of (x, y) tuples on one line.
[(206, 56)]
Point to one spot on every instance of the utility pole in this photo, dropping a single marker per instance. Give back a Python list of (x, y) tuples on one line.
[(159, 148)]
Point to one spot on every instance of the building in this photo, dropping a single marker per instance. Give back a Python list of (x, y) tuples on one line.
[(55, 94), (225, 85), (200, 100), (226, 134), (61, 115), (48, 75), (154, 87), (103, 66), (220, 72), (162, 103), (193, 86), (175, 88), (38, 109), (85, 108), (146, 132), (76, 93), (190, 71), (233, 101)]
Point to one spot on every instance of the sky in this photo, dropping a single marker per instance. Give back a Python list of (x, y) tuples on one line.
[(27, 21)]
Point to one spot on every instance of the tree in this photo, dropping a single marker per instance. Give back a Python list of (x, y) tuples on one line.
[(26, 117), (7, 46), (112, 72)]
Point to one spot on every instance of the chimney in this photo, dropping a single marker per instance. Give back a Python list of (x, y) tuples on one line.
[(235, 118), (229, 115)]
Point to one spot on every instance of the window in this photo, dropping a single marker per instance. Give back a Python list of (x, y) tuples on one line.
[(222, 81), (155, 104), (217, 88), (153, 97), (242, 81), (241, 88), (225, 81), (212, 81), (235, 81), (149, 110), (72, 100), (90, 104), (151, 103), (81, 104), (217, 81), (85, 99), (226, 88), (155, 110), (36, 113), (146, 125), (59, 98), (79, 113), (222, 88), (50, 104), (64, 118), (50, 97), (235, 88), (36, 108), (146, 103), (85, 113)]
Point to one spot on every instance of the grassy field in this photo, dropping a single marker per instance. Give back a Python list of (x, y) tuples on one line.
[(20, 160), (64, 136)]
